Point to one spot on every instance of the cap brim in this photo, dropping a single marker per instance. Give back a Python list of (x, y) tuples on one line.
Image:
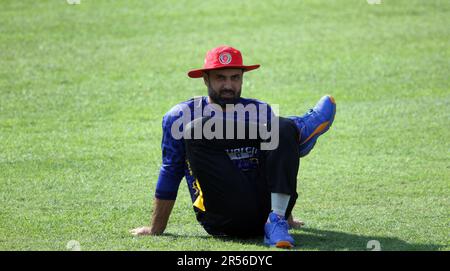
[(197, 73)]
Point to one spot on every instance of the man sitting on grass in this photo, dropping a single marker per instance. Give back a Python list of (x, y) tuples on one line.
[(240, 160)]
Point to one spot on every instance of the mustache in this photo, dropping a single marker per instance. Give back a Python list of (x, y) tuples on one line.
[(219, 96), (227, 91)]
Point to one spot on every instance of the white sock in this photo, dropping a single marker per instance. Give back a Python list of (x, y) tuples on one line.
[(280, 203)]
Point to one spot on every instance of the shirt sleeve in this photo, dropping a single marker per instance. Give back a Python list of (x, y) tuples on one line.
[(173, 160)]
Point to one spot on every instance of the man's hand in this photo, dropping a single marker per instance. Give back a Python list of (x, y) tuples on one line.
[(141, 231), (160, 217), (294, 223)]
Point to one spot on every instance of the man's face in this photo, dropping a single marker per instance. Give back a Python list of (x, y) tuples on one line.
[(224, 86)]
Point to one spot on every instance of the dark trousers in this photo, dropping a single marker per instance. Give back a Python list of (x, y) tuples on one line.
[(238, 203)]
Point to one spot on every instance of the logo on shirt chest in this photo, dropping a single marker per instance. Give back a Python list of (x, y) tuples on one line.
[(242, 153)]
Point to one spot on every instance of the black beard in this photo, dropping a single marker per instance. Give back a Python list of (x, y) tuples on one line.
[(215, 97)]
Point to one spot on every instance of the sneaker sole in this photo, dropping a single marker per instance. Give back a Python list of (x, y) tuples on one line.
[(283, 244), (280, 244)]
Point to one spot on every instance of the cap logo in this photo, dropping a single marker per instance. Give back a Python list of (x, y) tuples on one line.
[(225, 58)]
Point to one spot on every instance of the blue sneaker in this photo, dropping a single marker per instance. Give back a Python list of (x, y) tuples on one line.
[(315, 123), (277, 234)]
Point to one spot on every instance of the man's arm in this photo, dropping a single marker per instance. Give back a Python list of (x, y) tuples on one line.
[(170, 175), (160, 217)]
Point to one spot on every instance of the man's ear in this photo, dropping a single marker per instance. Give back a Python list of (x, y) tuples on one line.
[(205, 78)]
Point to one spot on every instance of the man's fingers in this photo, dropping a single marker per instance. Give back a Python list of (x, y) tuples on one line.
[(140, 231), (136, 231), (297, 224)]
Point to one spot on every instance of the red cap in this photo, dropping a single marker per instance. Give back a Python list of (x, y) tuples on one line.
[(220, 58)]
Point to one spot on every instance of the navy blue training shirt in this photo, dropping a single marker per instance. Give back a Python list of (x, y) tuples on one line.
[(174, 165)]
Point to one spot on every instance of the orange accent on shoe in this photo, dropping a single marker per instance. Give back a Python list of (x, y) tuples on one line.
[(318, 130), (284, 244), (332, 99)]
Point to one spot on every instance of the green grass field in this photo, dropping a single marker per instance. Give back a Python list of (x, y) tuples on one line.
[(83, 89)]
